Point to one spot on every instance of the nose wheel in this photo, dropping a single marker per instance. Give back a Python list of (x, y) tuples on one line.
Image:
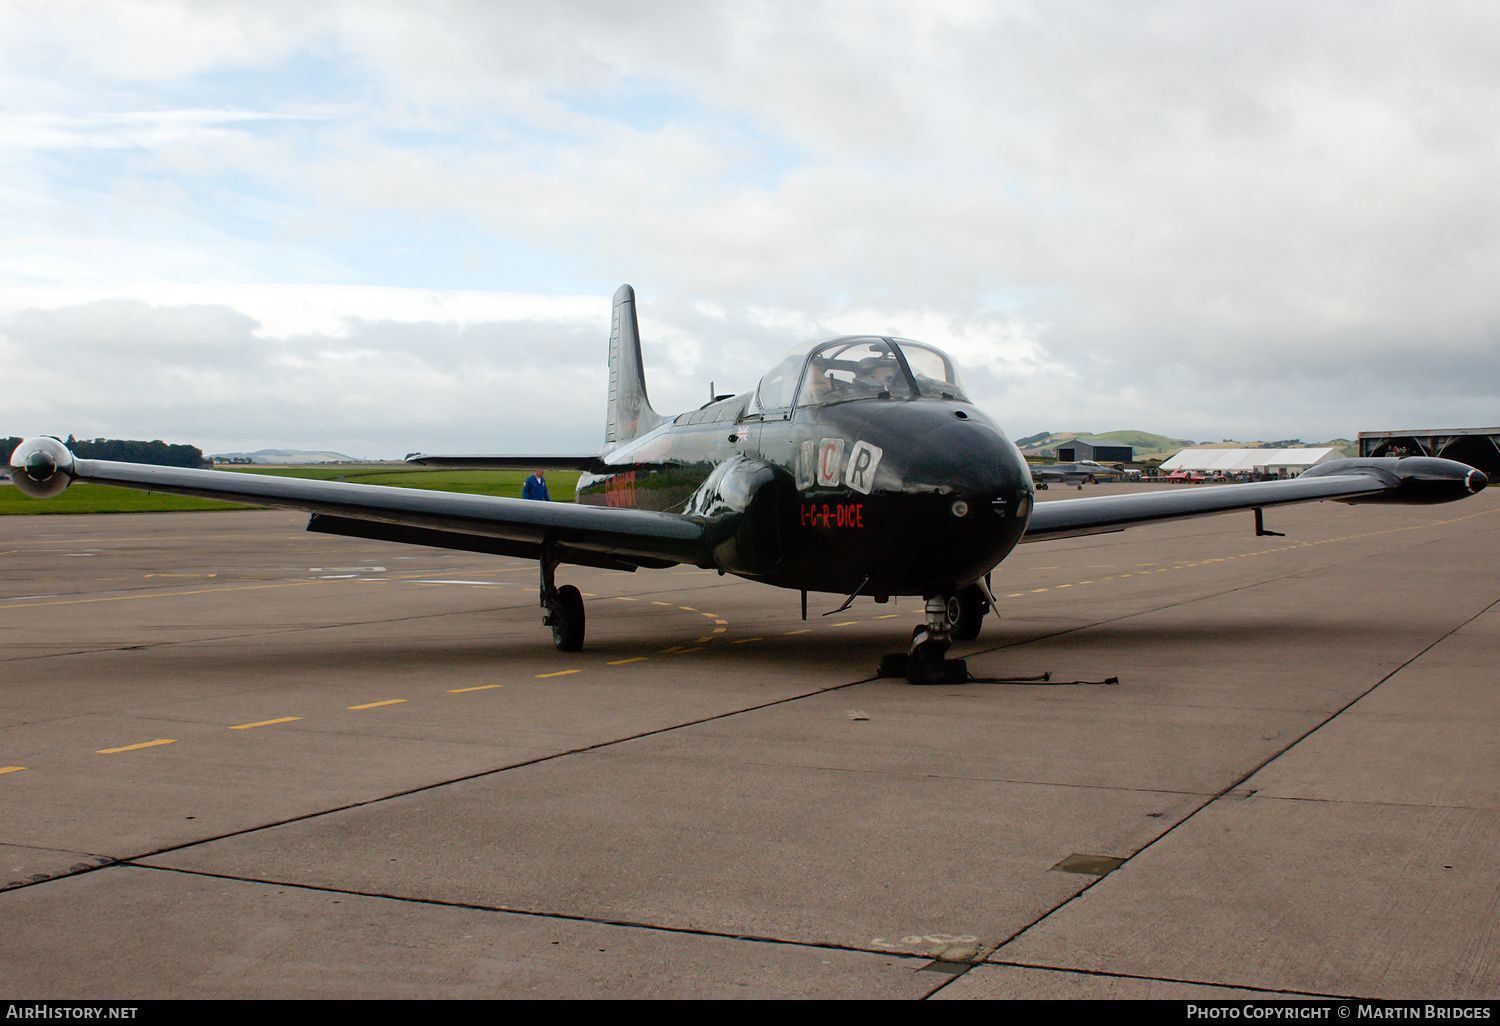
[(972, 605), (927, 664), (949, 617)]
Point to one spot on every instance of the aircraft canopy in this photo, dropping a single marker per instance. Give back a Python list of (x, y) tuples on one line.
[(839, 370)]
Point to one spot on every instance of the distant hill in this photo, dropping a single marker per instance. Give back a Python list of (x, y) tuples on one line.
[(1146, 444), (1348, 448), (286, 456), (1031, 440)]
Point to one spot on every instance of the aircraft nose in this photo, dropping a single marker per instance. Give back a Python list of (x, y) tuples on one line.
[(978, 498), (971, 460), (950, 499)]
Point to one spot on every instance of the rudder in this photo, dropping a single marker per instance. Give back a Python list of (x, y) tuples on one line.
[(629, 414)]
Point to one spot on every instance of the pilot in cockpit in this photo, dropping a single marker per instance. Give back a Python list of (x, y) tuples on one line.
[(819, 384), (878, 374)]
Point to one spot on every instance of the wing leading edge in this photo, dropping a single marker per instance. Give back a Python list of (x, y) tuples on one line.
[(1411, 480)]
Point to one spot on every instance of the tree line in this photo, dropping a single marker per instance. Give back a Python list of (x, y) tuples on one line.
[(123, 450)]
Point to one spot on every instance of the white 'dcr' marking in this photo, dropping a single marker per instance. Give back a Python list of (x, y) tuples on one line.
[(863, 462), (830, 458), (806, 462)]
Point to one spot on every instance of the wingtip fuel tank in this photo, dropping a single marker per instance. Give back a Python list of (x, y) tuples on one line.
[(42, 467), (1412, 480)]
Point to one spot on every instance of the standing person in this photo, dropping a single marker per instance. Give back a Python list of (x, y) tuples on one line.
[(536, 487)]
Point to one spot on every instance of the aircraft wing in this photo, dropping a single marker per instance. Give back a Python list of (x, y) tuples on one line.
[(1417, 480), (586, 535)]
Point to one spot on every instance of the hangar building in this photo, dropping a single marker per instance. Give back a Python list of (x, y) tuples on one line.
[(1100, 450), (1478, 447)]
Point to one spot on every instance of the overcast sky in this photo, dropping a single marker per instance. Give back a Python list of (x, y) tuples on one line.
[(379, 227)]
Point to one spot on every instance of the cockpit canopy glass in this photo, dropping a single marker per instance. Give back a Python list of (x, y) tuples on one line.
[(845, 369), (931, 369)]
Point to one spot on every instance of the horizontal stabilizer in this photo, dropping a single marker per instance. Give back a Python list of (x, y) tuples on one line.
[(553, 462)]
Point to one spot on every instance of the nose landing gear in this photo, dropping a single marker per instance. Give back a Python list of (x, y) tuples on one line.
[(949, 618), (926, 659)]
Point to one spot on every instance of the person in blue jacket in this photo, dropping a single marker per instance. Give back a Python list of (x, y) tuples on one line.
[(536, 487)]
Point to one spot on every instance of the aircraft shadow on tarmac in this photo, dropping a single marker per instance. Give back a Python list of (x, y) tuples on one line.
[(1017, 644), (1247, 637)]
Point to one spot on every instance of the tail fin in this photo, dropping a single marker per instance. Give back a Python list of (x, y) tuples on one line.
[(629, 414)]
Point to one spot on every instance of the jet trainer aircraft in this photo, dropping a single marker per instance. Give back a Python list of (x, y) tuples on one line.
[(857, 466), (1043, 474)]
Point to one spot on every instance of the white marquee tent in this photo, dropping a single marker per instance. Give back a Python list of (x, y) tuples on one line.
[(1249, 461)]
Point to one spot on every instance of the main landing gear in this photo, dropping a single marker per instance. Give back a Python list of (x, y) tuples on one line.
[(564, 606), (949, 618)]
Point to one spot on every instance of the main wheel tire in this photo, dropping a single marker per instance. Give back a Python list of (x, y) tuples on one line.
[(971, 609), (567, 619), (892, 665)]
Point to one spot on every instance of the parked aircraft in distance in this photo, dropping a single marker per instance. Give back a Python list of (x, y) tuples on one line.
[(1080, 473), (857, 466)]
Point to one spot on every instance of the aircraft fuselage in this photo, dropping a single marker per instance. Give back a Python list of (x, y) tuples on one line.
[(885, 496)]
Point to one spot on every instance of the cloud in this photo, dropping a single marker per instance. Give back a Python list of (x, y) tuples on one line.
[(208, 374), (1147, 210)]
